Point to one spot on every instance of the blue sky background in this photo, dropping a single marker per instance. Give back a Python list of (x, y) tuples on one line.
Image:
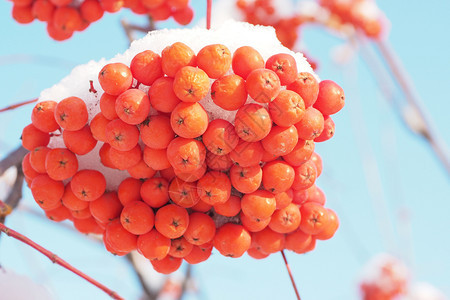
[(369, 137)]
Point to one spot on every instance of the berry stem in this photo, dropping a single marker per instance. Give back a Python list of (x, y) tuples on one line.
[(11, 107), (208, 13), (290, 275), (55, 259)]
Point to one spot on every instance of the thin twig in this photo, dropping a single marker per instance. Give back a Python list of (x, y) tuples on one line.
[(15, 195), (130, 28), (187, 278), (290, 275), (57, 260), (13, 158), (208, 13), (150, 295), (13, 106), (414, 100)]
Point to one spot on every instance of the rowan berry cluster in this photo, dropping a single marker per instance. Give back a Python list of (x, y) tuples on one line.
[(362, 14), (244, 185), (64, 17)]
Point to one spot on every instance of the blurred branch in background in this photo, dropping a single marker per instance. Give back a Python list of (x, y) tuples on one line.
[(131, 28)]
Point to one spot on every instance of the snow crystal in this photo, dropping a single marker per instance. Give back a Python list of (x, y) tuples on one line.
[(232, 34)]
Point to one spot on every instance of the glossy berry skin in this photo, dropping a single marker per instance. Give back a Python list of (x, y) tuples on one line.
[(284, 65), (263, 85), (246, 59), (306, 86), (115, 78), (132, 106), (146, 67), (331, 98)]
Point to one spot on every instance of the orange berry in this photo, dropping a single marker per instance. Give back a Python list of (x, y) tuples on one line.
[(91, 10), (87, 225), (253, 224), (218, 162), (298, 241), (115, 78), (71, 201), (317, 160), (189, 120), (137, 217), (268, 240), (183, 16), (152, 3), (22, 3), (278, 176), (259, 204), (267, 157), (167, 265), (153, 245), (104, 156), (81, 214), (311, 125), (284, 65), (230, 208), (71, 113), (186, 155), (220, 137), (198, 254), (331, 98), (27, 169), (47, 192), (315, 218), (141, 171), (330, 228), (67, 18), (61, 164), (263, 85), (280, 140), (72, 140), (307, 87), (37, 159), (305, 176), (161, 94), (122, 136), (58, 214), (215, 60), (301, 153), (287, 109), (176, 56), (98, 127), (171, 221), (119, 238), (33, 137), (155, 192), (43, 115), (229, 92), (285, 220), (177, 4), (146, 67), (283, 199), (106, 208), (156, 158), (161, 13), (191, 176), (180, 247), (61, 2), (246, 179), (214, 187), (201, 229), (245, 60), (247, 154), (252, 122), (129, 190), (183, 193), (88, 185), (108, 106), (232, 240), (22, 14), (123, 160), (256, 253), (191, 84), (58, 34), (132, 106), (201, 207), (156, 132)]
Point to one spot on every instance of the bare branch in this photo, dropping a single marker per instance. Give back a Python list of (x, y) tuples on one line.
[(13, 158), (150, 295), (16, 192), (13, 106), (187, 278)]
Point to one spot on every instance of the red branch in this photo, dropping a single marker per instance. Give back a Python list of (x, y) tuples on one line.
[(290, 275), (18, 105), (55, 259), (208, 13)]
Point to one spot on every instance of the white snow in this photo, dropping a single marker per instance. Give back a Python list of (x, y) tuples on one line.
[(18, 287), (424, 291)]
